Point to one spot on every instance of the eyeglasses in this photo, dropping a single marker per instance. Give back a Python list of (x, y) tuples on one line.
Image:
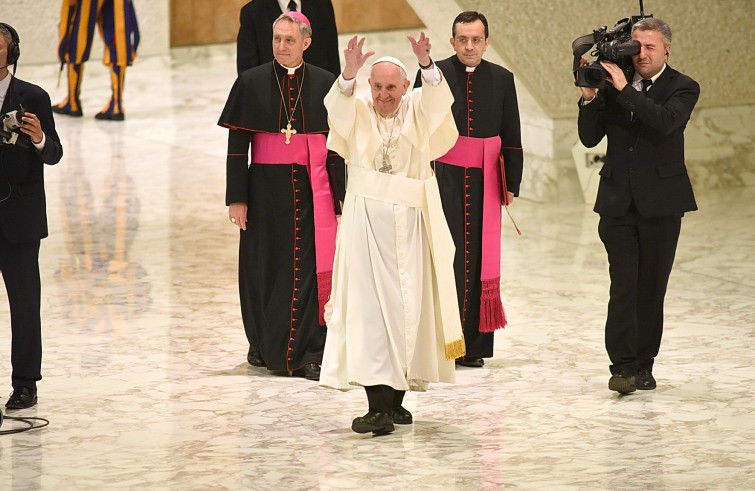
[(463, 41)]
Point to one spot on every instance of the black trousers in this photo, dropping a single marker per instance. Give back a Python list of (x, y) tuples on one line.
[(641, 254), (19, 264)]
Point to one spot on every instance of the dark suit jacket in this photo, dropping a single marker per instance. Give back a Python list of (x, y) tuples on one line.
[(645, 157), (23, 216), (254, 44)]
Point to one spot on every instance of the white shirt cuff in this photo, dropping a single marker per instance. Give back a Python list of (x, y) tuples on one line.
[(346, 86), (41, 144), (431, 75)]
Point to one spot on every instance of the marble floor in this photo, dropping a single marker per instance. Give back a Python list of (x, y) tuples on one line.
[(146, 384)]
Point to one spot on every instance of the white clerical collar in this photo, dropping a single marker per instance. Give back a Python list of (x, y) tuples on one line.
[(470, 69), (292, 71)]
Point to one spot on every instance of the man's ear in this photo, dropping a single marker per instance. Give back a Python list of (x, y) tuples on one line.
[(406, 85), (307, 42)]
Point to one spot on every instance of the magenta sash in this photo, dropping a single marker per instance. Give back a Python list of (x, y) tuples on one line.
[(309, 150), (485, 154)]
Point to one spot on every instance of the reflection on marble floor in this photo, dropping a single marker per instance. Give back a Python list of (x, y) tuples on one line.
[(146, 384)]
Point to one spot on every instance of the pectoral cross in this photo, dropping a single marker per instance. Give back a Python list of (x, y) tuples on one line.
[(288, 130), (387, 167)]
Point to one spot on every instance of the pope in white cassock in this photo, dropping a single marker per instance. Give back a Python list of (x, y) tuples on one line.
[(393, 319)]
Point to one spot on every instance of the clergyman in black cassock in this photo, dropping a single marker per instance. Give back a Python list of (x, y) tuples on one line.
[(278, 281), (485, 110)]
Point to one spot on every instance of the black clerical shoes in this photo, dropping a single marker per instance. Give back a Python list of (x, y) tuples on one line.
[(622, 383), (645, 380), (67, 111), (468, 361), (106, 116), (310, 371), (374, 421), (402, 416), (254, 358), (22, 398)]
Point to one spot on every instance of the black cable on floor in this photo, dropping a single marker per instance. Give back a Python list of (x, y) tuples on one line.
[(28, 421)]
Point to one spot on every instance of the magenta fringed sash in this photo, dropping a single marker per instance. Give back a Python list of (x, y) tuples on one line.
[(485, 154), (309, 150)]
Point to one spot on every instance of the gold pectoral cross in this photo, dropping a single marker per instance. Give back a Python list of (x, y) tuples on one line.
[(288, 130)]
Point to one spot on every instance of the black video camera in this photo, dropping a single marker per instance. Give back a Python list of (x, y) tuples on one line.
[(614, 45)]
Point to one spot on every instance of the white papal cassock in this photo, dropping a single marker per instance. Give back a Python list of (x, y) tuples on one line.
[(392, 318)]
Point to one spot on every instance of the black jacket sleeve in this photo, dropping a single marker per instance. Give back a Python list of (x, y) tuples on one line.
[(237, 167)]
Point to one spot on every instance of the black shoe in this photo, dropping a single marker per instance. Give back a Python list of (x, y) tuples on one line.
[(402, 416), (110, 116), (622, 383), (66, 110), (374, 421), (254, 358), (22, 398), (310, 371), (645, 380), (467, 361)]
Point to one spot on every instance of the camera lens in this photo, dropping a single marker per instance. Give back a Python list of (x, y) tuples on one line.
[(593, 75)]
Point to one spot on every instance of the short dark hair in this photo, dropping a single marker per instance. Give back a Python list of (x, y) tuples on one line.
[(654, 24), (467, 18), (5, 32)]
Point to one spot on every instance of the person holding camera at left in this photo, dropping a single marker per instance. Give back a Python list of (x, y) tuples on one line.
[(23, 218), (643, 193)]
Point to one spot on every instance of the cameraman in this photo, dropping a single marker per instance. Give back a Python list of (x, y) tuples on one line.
[(23, 220), (644, 192)]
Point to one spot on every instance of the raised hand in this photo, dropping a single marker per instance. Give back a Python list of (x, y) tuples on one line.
[(354, 57), (421, 48)]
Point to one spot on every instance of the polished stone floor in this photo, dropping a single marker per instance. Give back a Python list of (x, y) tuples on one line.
[(145, 380)]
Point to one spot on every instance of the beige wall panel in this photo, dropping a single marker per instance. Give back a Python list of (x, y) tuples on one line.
[(195, 22), (374, 15)]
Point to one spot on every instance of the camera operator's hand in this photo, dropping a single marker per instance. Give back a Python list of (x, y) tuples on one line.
[(354, 57), (615, 76), (31, 126)]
